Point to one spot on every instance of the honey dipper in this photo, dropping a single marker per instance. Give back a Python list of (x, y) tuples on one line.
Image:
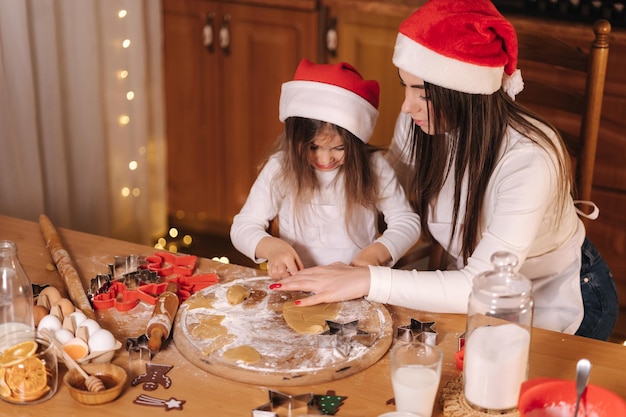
[(92, 382)]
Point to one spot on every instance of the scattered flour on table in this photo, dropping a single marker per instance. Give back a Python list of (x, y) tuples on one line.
[(262, 327)]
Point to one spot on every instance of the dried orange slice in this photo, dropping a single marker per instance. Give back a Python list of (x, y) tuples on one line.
[(27, 377), (17, 353)]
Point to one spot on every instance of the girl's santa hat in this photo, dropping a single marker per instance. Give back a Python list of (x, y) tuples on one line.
[(463, 45), (333, 93)]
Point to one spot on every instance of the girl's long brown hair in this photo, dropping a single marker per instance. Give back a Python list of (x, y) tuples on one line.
[(476, 126), (298, 176)]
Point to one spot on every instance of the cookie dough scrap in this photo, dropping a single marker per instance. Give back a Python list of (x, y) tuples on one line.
[(200, 300), (237, 294), (209, 328), (309, 319), (245, 354)]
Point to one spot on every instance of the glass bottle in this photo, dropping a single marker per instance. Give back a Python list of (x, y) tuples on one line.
[(497, 346), (16, 292)]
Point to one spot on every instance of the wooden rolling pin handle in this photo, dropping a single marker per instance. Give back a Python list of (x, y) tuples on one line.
[(160, 324), (155, 339)]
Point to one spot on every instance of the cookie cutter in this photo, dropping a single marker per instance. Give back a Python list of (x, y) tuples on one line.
[(137, 347), (340, 337), (118, 296), (126, 270), (149, 293), (168, 263), (421, 331), (123, 265), (286, 405)]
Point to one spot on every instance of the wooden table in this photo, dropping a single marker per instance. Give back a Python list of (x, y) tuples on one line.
[(552, 354)]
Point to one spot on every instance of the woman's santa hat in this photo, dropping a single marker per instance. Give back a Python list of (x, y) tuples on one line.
[(463, 45), (333, 93)]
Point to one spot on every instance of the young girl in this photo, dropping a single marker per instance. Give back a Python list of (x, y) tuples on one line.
[(324, 183), (486, 175)]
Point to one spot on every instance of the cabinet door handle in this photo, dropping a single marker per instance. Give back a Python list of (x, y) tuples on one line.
[(331, 37), (225, 34), (207, 32)]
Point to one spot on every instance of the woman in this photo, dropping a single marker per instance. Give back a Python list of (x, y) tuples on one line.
[(485, 174)]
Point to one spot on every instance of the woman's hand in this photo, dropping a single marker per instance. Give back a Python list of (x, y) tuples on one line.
[(282, 259), (329, 284)]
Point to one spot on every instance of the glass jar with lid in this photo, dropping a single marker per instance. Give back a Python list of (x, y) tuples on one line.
[(497, 346)]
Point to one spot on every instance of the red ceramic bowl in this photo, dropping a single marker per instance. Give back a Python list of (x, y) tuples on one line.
[(547, 397)]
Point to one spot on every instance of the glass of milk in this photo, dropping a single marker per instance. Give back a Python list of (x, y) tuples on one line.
[(415, 376)]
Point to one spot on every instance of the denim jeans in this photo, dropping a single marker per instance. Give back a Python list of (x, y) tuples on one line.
[(599, 295)]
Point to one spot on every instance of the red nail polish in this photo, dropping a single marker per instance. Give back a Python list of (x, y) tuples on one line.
[(275, 286), (297, 302)]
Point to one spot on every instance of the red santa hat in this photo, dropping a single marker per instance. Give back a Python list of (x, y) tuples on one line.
[(462, 45), (333, 93)]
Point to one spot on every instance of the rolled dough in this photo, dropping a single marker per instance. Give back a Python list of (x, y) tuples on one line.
[(309, 319)]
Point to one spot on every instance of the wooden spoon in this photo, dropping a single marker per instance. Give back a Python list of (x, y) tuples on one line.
[(92, 382)]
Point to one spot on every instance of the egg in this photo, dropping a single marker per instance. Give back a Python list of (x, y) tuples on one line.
[(101, 341), (49, 322), (91, 325), (39, 312), (66, 306), (63, 335), (78, 317), (76, 347), (53, 294)]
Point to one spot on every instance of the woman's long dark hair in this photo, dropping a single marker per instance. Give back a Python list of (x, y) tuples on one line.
[(476, 126)]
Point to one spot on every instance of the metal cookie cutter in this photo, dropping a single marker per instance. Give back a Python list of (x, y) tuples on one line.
[(286, 405), (138, 349), (421, 331), (340, 336)]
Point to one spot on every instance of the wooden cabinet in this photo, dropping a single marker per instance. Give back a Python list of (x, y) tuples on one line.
[(366, 33), (224, 63)]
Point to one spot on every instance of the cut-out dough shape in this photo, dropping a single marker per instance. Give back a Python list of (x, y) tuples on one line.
[(309, 319), (246, 354)]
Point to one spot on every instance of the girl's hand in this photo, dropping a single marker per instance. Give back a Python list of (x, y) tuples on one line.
[(329, 284), (282, 259), (375, 254)]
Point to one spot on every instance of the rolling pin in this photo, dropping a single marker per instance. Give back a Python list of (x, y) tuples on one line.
[(65, 266), (160, 324)]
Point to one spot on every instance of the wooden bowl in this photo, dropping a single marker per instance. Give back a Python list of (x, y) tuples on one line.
[(113, 377)]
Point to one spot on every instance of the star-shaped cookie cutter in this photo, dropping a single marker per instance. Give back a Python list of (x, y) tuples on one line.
[(340, 336), (421, 331), (286, 405)]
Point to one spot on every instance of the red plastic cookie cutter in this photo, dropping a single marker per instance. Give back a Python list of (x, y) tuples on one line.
[(194, 283), (149, 293), (168, 263), (118, 296)]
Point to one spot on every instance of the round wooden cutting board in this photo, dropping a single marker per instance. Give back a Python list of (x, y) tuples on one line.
[(207, 325)]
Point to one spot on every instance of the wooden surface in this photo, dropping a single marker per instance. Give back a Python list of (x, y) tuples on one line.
[(288, 358), (552, 354)]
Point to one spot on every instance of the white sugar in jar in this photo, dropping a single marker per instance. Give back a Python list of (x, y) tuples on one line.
[(495, 365), (497, 346)]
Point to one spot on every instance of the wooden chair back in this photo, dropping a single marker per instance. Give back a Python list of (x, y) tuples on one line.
[(565, 85)]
